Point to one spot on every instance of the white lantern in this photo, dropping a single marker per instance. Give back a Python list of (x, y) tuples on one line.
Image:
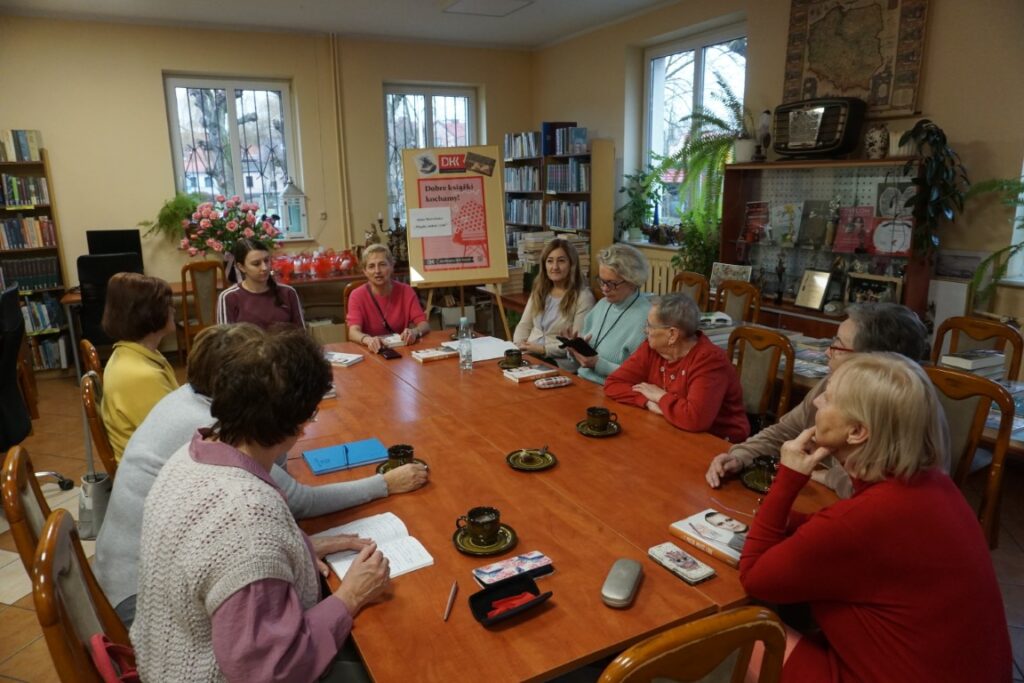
[(293, 210)]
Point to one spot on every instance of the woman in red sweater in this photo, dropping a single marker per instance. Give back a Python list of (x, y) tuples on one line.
[(679, 374), (898, 577)]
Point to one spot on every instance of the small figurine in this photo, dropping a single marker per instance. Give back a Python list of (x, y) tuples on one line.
[(763, 136), (371, 236)]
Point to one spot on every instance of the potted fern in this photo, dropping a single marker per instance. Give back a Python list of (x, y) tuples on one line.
[(173, 217)]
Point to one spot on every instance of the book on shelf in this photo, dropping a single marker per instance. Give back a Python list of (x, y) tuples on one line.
[(530, 372), (549, 132), (404, 552), (852, 231), (431, 355), (345, 456), (814, 221), (756, 221), (525, 145), (21, 145), (706, 532), (974, 359), (343, 359), (785, 220)]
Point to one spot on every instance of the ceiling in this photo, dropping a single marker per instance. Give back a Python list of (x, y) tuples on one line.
[(494, 23)]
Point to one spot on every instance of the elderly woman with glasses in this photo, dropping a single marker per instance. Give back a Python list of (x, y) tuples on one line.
[(615, 326), (870, 327), (898, 578), (679, 374)]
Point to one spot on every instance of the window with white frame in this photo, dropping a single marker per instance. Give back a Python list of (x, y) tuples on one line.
[(233, 136), (681, 76), (419, 117)]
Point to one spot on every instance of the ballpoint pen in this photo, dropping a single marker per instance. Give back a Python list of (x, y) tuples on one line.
[(451, 599)]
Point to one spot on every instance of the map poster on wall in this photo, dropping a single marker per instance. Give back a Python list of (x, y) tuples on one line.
[(871, 49), (456, 231)]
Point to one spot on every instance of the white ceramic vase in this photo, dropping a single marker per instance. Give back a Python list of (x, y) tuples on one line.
[(743, 150)]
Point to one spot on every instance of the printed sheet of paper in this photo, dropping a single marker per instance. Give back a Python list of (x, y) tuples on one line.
[(485, 348)]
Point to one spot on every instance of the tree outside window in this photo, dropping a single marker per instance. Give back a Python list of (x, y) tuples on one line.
[(417, 117)]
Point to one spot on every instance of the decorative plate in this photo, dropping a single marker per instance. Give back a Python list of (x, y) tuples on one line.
[(386, 466), (531, 460), (507, 540), (585, 429), (757, 479)]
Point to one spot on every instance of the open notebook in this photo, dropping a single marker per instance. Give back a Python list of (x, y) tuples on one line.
[(404, 553)]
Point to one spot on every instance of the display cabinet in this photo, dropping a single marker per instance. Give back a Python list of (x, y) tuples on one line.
[(848, 219)]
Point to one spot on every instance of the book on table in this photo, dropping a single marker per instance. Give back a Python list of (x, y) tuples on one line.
[(342, 359), (345, 456), (530, 372), (392, 340), (974, 359), (437, 353), (404, 552), (714, 533)]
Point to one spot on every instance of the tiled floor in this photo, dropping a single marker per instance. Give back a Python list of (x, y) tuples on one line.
[(58, 444)]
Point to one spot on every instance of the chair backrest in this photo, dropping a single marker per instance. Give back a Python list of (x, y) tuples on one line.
[(15, 419), (739, 300), (694, 284), (24, 504), (92, 397), (201, 280), (758, 354), (969, 333), (966, 399), (349, 288), (70, 604), (90, 359), (710, 645)]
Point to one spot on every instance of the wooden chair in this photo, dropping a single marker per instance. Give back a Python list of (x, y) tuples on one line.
[(349, 288), (90, 359), (201, 282), (966, 398), (740, 300), (694, 284), (758, 353), (70, 605), (24, 504), (92, 396), (977, 333), (692, 651)]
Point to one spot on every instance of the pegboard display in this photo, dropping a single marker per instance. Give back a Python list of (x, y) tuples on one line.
[(840, 216)]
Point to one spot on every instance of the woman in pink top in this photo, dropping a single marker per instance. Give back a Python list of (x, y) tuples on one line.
[(383, 306)]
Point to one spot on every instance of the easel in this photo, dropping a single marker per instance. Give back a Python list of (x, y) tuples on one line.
[(462, 298)]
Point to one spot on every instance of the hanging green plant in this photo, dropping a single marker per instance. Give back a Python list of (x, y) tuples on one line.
[(941, 181)]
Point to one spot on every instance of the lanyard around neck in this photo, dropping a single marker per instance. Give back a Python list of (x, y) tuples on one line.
[(600, 337)]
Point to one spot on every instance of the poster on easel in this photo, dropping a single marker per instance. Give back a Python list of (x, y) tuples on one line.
[(456, 229)]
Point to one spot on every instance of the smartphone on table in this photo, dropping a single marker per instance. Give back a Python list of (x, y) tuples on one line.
[(389, 353)]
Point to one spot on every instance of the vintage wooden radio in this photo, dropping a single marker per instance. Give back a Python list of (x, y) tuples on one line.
[(822, 127)]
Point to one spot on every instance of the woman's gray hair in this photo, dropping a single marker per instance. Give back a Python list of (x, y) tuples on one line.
[(889, 327), (627, 262), (678, 310)]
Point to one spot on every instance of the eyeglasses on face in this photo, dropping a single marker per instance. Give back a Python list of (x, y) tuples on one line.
[(837, 346), (610, 285), (648, 327)]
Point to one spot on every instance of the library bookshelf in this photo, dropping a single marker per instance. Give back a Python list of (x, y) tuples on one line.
[(30, 256)]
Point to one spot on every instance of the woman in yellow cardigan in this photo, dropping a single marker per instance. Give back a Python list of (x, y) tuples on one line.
[(138, 314)]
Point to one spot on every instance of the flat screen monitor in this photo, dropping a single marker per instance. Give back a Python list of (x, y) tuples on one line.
[(114, 242)]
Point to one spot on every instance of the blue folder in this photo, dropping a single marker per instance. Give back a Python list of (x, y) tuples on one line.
[(345, 456)]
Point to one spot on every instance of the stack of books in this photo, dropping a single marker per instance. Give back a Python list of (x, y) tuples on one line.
[(529, 373), (987, 363), (437, 353)]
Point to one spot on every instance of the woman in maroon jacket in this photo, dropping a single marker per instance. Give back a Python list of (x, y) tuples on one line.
[(898, 577), (679, 374)]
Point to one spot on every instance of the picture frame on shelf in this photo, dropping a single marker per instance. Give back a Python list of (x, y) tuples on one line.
[(813, 287), (869, 288)]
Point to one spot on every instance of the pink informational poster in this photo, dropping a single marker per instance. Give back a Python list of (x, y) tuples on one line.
[(466, 246)]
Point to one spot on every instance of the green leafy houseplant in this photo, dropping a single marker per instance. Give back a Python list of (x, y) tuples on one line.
[(941, 182), (698, 243), (1010, 193), (173, 216), (643, 190)]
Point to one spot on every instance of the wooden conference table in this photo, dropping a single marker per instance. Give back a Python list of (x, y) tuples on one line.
[(606, 499)]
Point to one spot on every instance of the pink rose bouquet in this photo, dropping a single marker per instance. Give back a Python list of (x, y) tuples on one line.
[(216, 226)]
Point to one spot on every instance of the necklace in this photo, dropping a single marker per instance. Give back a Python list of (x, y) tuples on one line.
[(600, 336)]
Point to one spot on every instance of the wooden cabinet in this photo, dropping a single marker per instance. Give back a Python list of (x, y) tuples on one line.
[(30, 256), (847, 217)]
